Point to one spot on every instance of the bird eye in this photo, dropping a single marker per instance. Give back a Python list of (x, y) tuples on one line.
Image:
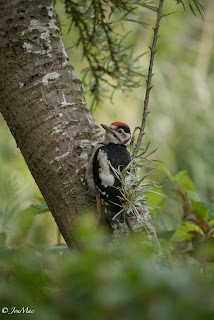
[(120, 130)]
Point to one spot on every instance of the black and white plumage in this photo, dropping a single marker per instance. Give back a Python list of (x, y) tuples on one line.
[(99, 175)]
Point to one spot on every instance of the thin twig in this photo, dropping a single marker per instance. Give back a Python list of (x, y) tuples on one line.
[(149, 78)]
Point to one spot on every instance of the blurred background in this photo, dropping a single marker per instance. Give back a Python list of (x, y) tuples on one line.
[(180, 124)]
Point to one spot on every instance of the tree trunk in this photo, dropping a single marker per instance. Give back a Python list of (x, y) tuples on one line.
[(43, 104)]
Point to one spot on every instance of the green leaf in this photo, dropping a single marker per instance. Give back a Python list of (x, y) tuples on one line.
[(155, 198), (183, 232), (144, 150), (165, 171), (201, 208), (24, 221), (211, 222), (143, 178), (184, 181), (38, 208)]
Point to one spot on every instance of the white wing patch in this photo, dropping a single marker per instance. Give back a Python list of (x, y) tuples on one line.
[(106, 177)]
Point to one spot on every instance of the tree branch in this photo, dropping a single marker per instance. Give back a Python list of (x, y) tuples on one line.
[(149, 78)]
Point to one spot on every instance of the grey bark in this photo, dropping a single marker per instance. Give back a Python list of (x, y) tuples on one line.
[(43, 104), (42, 101)]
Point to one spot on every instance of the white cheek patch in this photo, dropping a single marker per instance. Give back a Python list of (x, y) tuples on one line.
[(107, 179), (110, 138)]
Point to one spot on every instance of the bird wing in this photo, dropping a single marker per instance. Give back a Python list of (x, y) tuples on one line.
[(89, 172)]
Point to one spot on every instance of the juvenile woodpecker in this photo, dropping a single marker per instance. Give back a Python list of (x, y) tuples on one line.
[(100, 178)]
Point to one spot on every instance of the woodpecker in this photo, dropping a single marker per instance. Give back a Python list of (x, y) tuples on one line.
[(100, 178)]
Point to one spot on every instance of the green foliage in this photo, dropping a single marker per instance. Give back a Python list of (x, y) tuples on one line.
[(19, 231), (184, 181), (118, 282), (195, 230), (181, 179), (203, 210), (197, 3), (108, 50), (38, 208), (23, 223), (136, 189), (105, 41), (155, 199), (185, 232), (103, 281), (13, 195)]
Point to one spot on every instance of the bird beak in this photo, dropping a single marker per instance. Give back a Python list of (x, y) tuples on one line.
[(107, 128)]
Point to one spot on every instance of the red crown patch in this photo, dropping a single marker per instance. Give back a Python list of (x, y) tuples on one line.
[(118, 124)]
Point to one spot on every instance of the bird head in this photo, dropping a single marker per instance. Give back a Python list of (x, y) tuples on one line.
[(117, 133)]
